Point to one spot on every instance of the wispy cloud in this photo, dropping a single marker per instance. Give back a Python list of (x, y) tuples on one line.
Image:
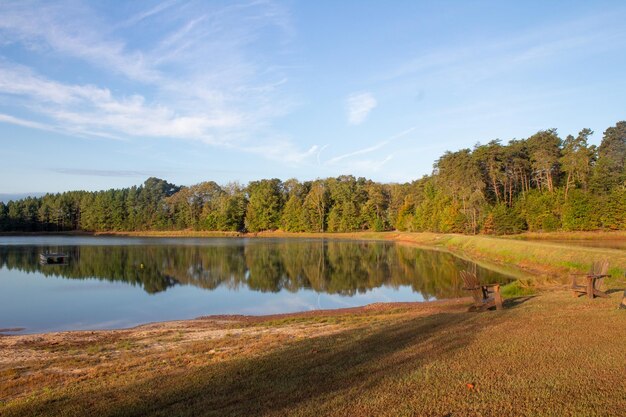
[(479, 60), (372, 148), (362, 162), (72, 30), (359, 106), (94, 110), (223, 99), (285, 151), (101, 172), (144, 14), (369, 166), (25, 123)]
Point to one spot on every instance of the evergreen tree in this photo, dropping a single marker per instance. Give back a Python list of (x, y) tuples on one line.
[(609, 172), (576, 160), (544, 147)]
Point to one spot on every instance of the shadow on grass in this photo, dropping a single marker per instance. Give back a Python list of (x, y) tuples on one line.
[(517, 301), (507, 303), (309, 373)]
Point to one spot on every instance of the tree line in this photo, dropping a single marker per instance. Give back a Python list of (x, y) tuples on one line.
[(540, 183)]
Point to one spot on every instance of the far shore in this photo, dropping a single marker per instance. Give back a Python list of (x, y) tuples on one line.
[(388, 235), (538, 255)]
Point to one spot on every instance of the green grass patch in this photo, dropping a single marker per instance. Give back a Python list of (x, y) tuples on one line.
[(517, 288)]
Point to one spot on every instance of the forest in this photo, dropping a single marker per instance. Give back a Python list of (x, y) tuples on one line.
[(540, 183)]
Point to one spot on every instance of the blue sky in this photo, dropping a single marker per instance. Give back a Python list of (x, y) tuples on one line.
[(96, 95)]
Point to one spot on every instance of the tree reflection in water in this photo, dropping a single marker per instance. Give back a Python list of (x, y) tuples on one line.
[(332, 267)]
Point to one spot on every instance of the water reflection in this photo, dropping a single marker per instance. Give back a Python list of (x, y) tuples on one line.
[(332, 267)]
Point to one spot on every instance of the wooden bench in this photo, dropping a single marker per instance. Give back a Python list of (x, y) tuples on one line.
[(591, 285), (485, 295)]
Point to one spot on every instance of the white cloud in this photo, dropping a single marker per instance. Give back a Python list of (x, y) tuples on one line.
[(148, 13), (226, 98), (473, 62), (369, 166), (359, 107), (285, 151), (371, 148), (362, 161), (25, 123), (74, 31), (88, 108)]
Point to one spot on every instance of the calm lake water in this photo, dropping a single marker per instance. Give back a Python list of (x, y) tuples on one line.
[(114, 282)]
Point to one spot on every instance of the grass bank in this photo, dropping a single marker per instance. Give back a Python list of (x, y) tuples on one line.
[(539, 258)]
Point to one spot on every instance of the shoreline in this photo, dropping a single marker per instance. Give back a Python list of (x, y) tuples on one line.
[(249, 318), (369, 235), (526, 266)]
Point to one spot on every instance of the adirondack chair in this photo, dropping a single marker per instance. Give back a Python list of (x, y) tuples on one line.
[(485, 295), (599, 270)]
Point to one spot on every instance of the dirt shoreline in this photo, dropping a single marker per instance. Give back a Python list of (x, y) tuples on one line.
[(247, 319), (174, 334)]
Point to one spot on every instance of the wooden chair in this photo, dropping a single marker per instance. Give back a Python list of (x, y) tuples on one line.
[(599, 270), (485, 296)]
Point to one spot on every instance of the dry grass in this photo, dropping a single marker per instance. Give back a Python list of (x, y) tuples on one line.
[(595, 235), (549, 355)]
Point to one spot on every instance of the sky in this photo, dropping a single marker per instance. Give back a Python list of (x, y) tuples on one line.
[(99, 95)]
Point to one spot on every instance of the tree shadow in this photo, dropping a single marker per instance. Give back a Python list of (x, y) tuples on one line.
[(506, 304), (517, 301), (282, 380)]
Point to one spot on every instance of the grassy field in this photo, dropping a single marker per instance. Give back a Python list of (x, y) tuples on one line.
[(548, 354)]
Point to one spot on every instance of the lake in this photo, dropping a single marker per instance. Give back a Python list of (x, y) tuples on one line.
[(113, 282)]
